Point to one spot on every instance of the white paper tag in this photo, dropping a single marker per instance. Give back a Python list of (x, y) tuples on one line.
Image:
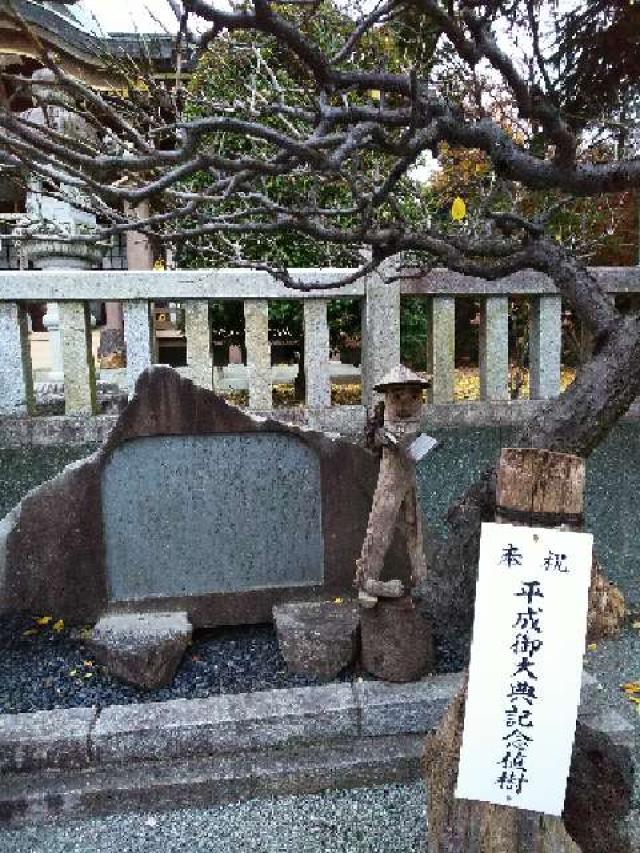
[(526, 666), (420, 446)]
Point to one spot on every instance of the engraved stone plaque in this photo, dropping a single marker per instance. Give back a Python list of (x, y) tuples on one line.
[(193, 515)]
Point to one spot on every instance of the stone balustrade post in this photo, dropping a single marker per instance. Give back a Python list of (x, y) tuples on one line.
[(380, 329), (138, 338), (256, 337), (494, 348), (441, 332), (51, 322), (71, 360), (16, 378), (198, 334), (316, 354), (77, 359), (545, 342)]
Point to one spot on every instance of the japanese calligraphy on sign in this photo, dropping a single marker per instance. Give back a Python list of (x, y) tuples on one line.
[(526, 666)]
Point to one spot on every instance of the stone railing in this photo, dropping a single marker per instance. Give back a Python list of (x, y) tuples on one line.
[(73, 289)]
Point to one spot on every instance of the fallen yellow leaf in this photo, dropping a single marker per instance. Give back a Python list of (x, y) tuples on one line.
[(88, 675), (43, 620), (59, 626), (88, 662), (631, 687), (29, 632), (73, 673), (592, 647), (338, 600), (635, 699)]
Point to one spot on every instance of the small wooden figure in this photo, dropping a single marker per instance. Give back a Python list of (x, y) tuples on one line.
[(395, 499)]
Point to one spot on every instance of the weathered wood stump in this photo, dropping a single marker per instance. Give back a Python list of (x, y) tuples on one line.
[(466, 826), (536, 488), (396, 640)]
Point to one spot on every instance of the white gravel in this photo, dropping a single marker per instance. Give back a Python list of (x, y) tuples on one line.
[(386, 819)]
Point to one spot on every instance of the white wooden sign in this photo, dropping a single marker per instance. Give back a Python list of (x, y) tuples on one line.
[(526, 666)]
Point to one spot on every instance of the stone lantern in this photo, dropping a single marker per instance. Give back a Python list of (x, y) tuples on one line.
[(53, 239)]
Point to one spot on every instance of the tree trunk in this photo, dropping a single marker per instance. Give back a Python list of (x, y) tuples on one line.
[(534, 487), (466, 826)]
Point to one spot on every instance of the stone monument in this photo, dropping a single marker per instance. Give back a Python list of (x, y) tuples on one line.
[(193, 506)]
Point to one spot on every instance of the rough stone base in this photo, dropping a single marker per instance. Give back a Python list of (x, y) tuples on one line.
[(143, 649), (600, 792), (397, 641), (318, 638)]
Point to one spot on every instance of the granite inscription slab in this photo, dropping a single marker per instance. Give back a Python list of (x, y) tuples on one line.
[(211, 514)]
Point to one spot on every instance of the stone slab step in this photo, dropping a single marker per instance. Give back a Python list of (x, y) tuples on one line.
[(27, 798), (189, 728), (45, 739)]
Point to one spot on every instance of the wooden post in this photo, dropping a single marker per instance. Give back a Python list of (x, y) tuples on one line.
[(536, 488)]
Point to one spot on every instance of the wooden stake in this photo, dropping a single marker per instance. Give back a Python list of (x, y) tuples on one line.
[(554, 483)]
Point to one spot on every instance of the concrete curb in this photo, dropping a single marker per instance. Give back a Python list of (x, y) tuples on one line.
[(184, 728), (223, 724), (349, 763), (79, 762), (18, 432), (45, 740), (53, 430)]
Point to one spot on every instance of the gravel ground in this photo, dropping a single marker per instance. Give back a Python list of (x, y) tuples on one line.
[(42, 669), (22, 470), (388, 819), (616, 662), (46, 669)]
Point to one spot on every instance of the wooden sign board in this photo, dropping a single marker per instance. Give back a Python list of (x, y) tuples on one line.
[(526, 666)]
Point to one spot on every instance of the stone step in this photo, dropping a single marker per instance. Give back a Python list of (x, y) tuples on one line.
[(182, 729), (28, 798)]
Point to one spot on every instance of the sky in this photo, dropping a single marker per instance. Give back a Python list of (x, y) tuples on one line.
[(122, 15), (156, 16)]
